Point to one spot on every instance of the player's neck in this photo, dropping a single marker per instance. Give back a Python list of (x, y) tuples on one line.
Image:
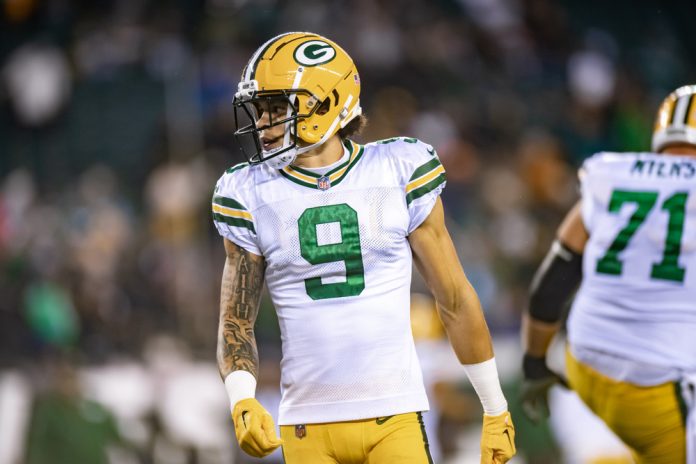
[(325, 154)]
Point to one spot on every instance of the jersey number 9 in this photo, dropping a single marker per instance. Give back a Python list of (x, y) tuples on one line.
[(347, 250)]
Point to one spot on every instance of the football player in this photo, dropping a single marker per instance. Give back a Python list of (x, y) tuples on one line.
[(332, 227), (631, 245)]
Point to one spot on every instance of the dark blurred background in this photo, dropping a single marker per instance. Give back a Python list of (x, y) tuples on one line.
[(116, 120)]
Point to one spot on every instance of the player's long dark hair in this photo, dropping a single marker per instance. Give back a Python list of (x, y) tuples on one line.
[(353, 128)]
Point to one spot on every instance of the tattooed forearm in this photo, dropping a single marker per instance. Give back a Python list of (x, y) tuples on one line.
[(242, 281)]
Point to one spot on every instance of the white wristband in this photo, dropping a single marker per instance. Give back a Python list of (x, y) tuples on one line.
[(240, 385), (484, 378)]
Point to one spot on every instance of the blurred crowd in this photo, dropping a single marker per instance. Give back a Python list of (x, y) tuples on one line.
[(116, 120)]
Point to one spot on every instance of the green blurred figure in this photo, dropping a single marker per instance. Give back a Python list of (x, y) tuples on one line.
[(51, 314), (65, 428)]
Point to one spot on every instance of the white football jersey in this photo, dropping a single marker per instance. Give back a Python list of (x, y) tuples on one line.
[(339, 273), (637, 300)]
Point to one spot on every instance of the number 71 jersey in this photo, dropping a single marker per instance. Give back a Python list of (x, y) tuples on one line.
[(638, 295), (339, 273)]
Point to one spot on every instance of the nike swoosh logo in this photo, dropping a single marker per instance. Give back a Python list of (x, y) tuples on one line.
[(431, 151), (382, 420)]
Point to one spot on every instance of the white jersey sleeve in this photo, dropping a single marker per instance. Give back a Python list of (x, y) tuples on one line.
[(596, 186), (421, 174), (232, 208)]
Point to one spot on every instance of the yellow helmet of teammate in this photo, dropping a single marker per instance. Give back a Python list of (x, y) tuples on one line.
[(676, 119), (312, 79)]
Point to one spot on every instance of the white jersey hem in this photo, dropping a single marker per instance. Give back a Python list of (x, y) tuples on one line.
[(352, 410), (624, 369)]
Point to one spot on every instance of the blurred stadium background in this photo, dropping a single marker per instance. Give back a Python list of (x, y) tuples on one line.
[(115, 122)]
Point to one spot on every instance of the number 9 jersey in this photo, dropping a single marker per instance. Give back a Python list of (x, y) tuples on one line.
[(637, 300), (338, 269)]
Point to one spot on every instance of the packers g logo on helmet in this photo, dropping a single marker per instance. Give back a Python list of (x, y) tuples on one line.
[(314, 52), (315, 86)]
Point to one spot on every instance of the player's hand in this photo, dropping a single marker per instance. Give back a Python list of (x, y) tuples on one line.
[(254, 428), (497, 439), (538, 379)]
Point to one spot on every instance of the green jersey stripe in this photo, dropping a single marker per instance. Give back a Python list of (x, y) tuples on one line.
[(309, 173), (234, 222), (228, 202), (425, 168), (349, 146), (357, 158), (303, 183), (237, 167), (296, 180), (423, 189)]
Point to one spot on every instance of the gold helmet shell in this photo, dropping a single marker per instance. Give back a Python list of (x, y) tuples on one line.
[(316, 76), (676, 119)]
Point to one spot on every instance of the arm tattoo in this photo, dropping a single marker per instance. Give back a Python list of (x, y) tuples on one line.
[(242, 281)]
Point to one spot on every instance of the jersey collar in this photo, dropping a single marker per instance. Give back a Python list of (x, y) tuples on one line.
[(311, 179)]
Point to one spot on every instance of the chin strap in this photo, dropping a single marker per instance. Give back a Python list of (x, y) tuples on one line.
[(281, 161)]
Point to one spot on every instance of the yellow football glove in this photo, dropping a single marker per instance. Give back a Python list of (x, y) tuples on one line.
[(254, 428), (497, 439)]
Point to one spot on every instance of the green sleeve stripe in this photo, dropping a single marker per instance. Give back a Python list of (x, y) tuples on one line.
[(423, 189), (237, 167), (228, 202), (425, 168), (234, 222)]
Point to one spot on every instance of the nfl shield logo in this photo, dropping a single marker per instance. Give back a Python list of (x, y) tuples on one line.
[(300, 431), (324, 183)]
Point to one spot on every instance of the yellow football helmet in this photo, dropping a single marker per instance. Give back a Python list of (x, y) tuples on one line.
[(676, 119), (311, 76)]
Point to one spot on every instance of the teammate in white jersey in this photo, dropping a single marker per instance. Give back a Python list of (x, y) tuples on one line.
[(332, 228), (631, 242)]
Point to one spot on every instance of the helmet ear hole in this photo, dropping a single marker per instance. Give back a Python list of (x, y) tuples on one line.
[(326, 104), (325, 107)]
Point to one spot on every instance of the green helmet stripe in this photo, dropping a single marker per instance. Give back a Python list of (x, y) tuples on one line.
[(258, 55)]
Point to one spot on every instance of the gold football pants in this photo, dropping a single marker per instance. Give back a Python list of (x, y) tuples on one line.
[(392, 439), (650, 420)]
